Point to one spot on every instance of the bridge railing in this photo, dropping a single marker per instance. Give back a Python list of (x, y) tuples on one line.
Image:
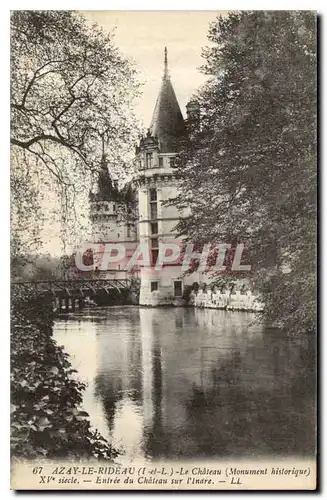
[(66, 293)]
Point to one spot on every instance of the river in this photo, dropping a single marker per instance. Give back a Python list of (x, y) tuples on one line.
[(182, 382)]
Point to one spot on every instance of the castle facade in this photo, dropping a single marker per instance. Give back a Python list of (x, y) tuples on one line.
[(138, 217)]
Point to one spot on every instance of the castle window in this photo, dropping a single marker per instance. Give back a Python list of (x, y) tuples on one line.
[(153, 203), (172, 161), (153, 211), (128, 231), (154, 243), (160, 161), (153, 194), (178, 289), (154, 286), (154, 227), (154, 256), (149, 160)]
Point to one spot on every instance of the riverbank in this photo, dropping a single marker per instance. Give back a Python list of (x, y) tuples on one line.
[(46, 416)]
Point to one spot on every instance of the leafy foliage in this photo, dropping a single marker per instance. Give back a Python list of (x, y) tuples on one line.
[(46, 419), (71, 105), (248, 170)]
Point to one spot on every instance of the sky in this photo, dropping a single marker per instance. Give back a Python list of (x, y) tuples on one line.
[(142, 37)]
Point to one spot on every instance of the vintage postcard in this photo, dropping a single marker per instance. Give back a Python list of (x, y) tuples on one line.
[(163, 250)]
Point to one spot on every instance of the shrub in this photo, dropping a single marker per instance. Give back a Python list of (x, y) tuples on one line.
[(46, 418)]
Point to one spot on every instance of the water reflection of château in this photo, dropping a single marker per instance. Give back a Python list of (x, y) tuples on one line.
[(191, 386)]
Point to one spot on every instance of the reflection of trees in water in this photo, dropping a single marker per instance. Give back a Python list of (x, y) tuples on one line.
[(109, 389), (257, 400), (113, 385), (251, 412)]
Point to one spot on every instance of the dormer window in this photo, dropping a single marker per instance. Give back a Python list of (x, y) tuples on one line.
[(148, 160)]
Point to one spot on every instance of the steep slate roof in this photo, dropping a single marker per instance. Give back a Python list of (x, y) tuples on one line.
[(167, 120)]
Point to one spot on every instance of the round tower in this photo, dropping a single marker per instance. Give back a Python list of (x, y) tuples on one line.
[(156, 183), (113, 217)]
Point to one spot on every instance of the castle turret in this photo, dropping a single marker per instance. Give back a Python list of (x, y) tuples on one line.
[(113, 217), (103, 207), (157, 183), (167, 123)]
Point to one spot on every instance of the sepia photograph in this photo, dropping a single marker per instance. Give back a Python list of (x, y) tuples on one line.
[(163, 180)]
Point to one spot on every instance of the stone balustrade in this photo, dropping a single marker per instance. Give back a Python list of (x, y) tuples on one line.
[(236, 301)]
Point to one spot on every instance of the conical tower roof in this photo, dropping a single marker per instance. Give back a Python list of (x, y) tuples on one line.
[(167, 120), (105, 189)]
